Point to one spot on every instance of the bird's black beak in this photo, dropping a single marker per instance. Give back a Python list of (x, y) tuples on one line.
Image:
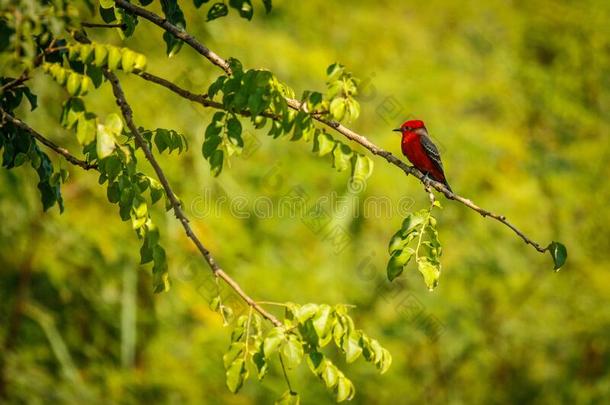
[(397, 130)]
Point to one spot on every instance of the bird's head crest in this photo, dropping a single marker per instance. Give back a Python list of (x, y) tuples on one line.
[(411, 125)]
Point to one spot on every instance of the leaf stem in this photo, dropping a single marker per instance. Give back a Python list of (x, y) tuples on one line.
[(247, 334), (423, 228), (279, 304), (286, 376)]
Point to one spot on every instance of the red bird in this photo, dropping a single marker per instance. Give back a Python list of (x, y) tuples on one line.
[(421, 151)]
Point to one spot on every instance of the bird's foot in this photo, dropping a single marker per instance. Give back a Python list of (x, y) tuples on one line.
[(426, 180)]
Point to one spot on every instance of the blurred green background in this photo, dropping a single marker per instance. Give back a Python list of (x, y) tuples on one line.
[(516, 95)]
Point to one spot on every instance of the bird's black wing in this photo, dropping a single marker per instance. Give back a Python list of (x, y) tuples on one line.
[(432, 151)]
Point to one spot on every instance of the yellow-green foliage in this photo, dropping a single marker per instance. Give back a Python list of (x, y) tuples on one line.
[(515, 94)]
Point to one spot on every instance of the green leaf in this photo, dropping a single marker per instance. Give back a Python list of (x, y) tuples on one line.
[(385, 363), (129, 21), (216, 162), (352, 348), (345, 389), (398, 242), (236, 375), (73, 84), (140, 62), (268, 5), (57, 72), (322, 321), (339, 332), (85, 52), (334, 71), (398, 261), (105, 141), (559, 253), (236, 351), (337, 108), (114, 57), (172, 44), (32, 98), (376, 351), (272, 341), (174, 15), (292, 351), (244, 7), (306, 312), (210, 145), (323, 143), (362, 166), (111, 167), (330, 375), (352, 109), (414, 220), (260, 362), (106, 3), (108, 14), (430, 270), (20, 159), (73, 110), (162, 139), (236, 67), (198, 3), (128, 60), (160, 274), (114, 193), (316, 363), (239, 331), (86, 84), (100, 53), (288, 398), (217, 10), (216, 86), (342, 155), (114, 123), (234, 132), (156, 191)]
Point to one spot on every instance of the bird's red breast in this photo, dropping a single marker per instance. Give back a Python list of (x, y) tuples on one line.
[(413, 149)]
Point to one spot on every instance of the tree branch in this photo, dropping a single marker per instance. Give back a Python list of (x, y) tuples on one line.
[(6, 117), (348, 133), (218, 272), (16, 82), (177, 32), (98, 25), (197, 98)]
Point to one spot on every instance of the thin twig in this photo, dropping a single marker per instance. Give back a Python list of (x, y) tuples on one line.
[(26, 73), (278, 304), (6, 117), (197, 98), (16, 82), (177, 32), (140, 142), (348, 133), (99, 25)]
